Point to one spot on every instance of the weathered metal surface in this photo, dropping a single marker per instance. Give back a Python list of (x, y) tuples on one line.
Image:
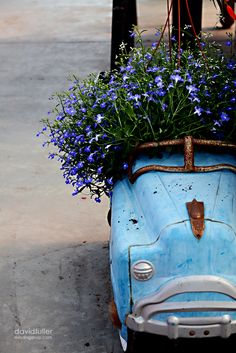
[(150, 221), (188, 166)]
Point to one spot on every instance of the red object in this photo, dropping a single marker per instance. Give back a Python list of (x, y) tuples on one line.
[(231, 12)]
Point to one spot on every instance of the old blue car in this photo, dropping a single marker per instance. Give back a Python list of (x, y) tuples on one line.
[(173, 242)]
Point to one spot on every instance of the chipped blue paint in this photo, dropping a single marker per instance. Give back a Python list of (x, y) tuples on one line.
[(150, 221)]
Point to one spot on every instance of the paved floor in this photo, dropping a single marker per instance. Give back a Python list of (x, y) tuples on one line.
[(53, 256)]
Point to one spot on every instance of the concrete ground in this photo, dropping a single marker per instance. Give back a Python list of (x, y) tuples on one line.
[(54, 274)]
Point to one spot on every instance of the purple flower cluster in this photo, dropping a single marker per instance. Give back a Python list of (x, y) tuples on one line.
[(99, 121)]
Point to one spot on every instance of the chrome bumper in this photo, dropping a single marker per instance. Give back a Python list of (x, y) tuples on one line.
[(189, 327)]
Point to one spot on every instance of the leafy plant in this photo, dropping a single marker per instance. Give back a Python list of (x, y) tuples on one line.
[(156, 93)]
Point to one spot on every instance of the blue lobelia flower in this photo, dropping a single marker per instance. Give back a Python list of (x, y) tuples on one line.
[(90, 158), (159, 82), (70, 110), (192, 88), (80, 165), (176, 78), (87, 149), (99, 170), (99, 118), (161, 92), (228, 43), (125, 166), (51, 156), (88, 180), (148, 56), (79, 183), (198, 111), (224, 117), (110, 181)]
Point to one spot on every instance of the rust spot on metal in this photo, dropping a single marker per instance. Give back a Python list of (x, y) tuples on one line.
[(188, 166), (196, 214), (188, 154), (114, 315)]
